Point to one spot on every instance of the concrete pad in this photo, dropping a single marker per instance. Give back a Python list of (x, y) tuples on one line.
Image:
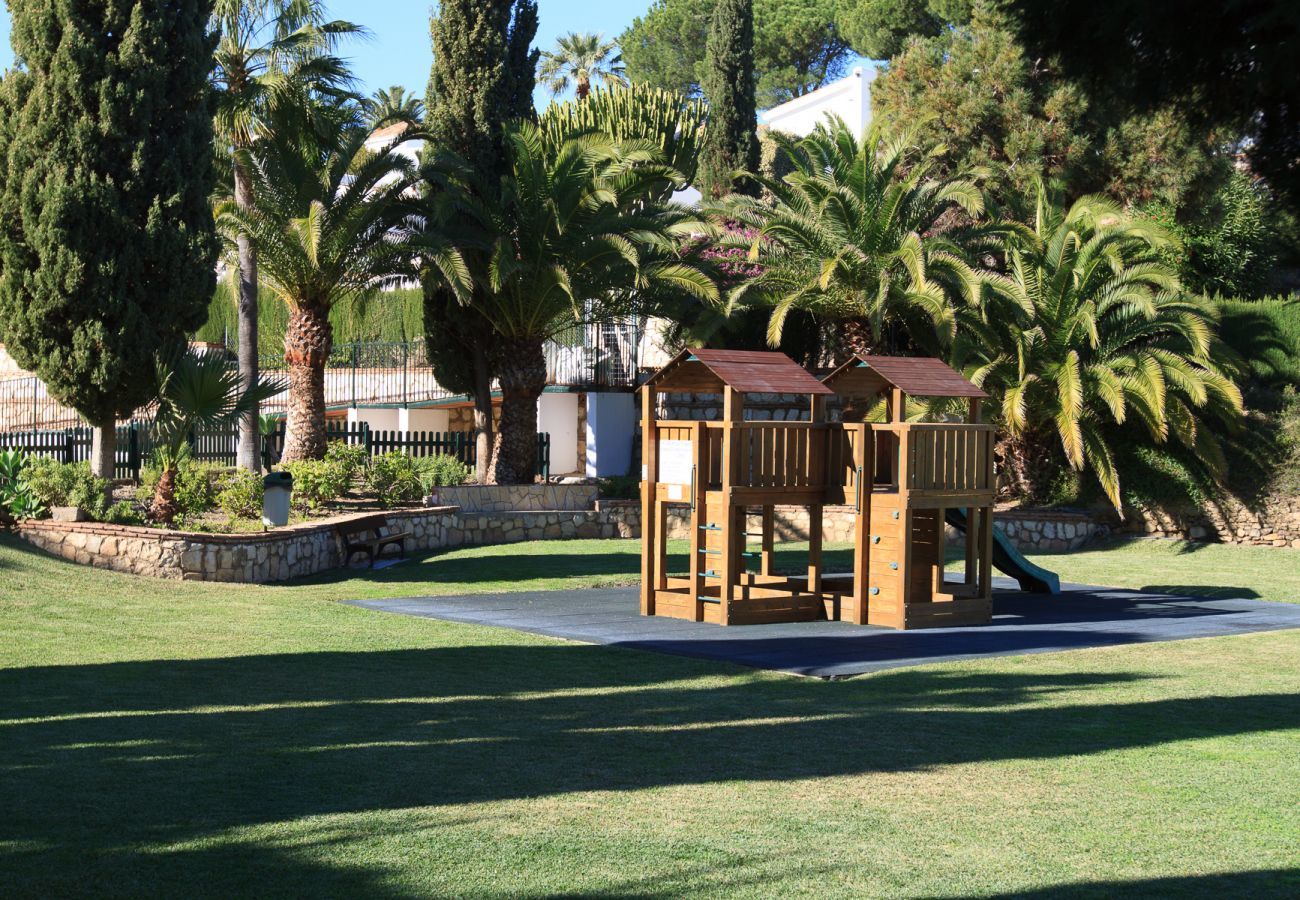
[(1080, 617)]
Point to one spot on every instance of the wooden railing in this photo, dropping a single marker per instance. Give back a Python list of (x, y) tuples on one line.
[(948, 458), (777, 455)]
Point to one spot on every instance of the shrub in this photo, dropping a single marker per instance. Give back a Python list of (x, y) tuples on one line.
[(239, 495), (315, 482), (441, 471), (395, 478), (1266, 333), (196, 491), (350, 459), (620, 487), (123, 513), (66, 484)]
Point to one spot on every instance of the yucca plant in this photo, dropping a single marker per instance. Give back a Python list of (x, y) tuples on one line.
[(196, 392), (331, 221), (1090, 330), (573, 234), (850, 236)]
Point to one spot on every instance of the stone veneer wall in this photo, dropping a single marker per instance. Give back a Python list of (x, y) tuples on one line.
[(1031, 530), (303, 550), (1274, 522), (524, 497)]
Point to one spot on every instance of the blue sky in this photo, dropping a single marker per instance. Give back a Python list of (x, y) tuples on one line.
[(398, 51)]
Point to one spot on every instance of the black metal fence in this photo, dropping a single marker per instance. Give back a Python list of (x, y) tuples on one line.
[(135, 445)]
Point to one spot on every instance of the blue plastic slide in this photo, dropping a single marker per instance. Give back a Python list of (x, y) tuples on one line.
[(1009, 561)]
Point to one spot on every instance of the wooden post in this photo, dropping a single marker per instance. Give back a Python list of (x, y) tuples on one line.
[(699, 540), (863, 452), (732, 413), (972, 548), (769, 540), (649, 517), (986, 552), (975, 404)]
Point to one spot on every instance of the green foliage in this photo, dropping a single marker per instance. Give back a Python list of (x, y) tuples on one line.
[(54, 483), (976, 92), (349, 459), (441, 471), (107, 245), (620, 487), (580, 60), (1090, 330), (196, 485), (318, 482), (1266, 335), (239, 494), (1217, 63), (639, 112), (392, 105), (850, 237), (879, 29), (395, 316), (16, 494), (797, 47), (394, 478), (1225, 245), (731, 141)]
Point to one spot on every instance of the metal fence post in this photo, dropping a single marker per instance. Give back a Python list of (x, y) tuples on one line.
[(354, 374)]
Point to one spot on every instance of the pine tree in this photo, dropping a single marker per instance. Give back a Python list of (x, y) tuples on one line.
[(482, 78), (731, 143), (107, 241)]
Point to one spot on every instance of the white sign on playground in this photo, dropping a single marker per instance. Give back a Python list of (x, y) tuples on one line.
[(675, 459)]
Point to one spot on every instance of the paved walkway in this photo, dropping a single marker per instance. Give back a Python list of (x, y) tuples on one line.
[(1023, 623)]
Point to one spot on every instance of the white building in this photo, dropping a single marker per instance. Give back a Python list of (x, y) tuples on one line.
[(849, 98)]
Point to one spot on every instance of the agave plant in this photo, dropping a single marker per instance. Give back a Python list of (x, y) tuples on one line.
[(196, 392), (850, 236), (16, 496), (1090, 330)]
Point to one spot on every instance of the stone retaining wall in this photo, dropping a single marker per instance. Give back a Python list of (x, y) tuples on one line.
[(303, 550), (524, 497), (1273, 522), (1031, 530)]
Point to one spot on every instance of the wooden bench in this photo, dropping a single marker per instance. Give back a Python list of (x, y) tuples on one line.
[(369, 536)]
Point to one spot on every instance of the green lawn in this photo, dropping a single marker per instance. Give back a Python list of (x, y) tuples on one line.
[(199, 740)]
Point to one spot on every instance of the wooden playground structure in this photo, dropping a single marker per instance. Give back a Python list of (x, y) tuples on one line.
[(901, 478)]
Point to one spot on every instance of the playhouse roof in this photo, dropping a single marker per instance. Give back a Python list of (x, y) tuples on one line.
[(747, 371), (920, 376)]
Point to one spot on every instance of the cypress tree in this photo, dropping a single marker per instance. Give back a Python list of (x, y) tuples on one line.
[(107, 242), (482, 78), (731, 143)]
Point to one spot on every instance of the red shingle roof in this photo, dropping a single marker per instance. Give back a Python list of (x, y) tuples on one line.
[(747, 371), (920, 376)]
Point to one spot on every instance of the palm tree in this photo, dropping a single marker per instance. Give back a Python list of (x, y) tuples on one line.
[(331, 221), (1089, 330), (572, 235), (195, 392), (393, 105), (269, 54), (581, 59), (849, 236)]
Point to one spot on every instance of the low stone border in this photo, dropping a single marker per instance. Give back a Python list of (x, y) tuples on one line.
[(302, 550), (520, 498)]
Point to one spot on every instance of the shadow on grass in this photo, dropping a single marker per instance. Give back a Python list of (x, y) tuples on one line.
[(1264, 882), (128, 774), (448, 567)]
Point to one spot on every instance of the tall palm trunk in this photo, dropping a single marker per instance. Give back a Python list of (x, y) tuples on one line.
[(522, 371), (164, 508), (583, 89), (1028, 466), (307, 344), (249, 454)]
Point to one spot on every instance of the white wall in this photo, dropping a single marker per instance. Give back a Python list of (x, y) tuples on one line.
[(377, 419), (558, 415), (424, 420), (849, 98), (611, 426)]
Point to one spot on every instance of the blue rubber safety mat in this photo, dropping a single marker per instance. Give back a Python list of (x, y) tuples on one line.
[(1078, 617)]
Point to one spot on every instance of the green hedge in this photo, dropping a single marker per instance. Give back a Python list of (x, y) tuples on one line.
[(1267, 335), (382, 316)]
